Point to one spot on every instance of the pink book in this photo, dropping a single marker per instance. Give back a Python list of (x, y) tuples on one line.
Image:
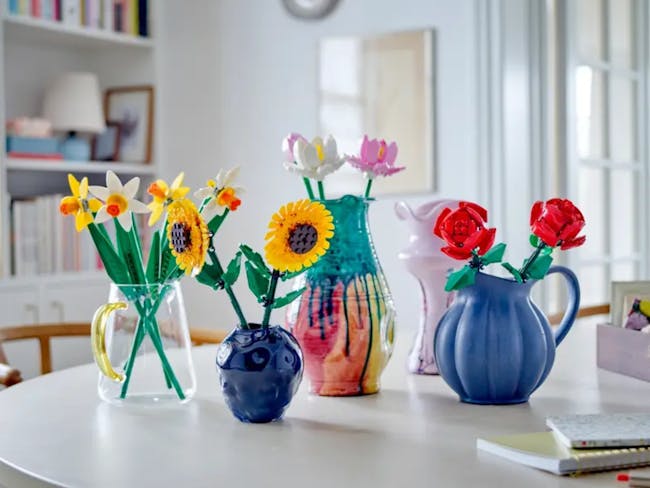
[(36, 8)]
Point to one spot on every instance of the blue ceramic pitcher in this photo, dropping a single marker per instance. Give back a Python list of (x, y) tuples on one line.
[(494, 345)]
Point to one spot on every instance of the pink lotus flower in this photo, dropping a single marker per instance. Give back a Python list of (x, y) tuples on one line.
[(376, 159), (287, 146)]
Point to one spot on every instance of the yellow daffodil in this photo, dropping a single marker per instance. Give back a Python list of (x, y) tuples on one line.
[(163, 195), (299, 235), (221, 192), (78, 204), (118, 200)]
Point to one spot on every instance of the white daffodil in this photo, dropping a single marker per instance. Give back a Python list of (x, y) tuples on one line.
[(221, 192), (118, 200), (316, 159)]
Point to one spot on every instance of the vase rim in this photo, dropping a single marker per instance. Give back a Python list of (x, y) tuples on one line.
[(343, 197), (507, 280), (254, 327)]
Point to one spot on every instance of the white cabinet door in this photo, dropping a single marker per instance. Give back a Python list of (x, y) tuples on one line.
[(72, 301), (19, 305)]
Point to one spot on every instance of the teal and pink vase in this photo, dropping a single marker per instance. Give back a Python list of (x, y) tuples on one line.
[(345, 320)]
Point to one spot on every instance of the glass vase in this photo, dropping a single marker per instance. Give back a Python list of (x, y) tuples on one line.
[(142, 332), (345, 319)]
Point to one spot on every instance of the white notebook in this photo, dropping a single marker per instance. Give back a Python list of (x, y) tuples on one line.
[(542, 450), (602, 430)]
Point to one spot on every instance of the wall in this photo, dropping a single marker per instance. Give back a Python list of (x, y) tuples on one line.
[(238, 75)]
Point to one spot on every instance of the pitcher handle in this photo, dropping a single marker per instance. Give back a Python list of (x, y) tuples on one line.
[(98, 339), (574, 302)]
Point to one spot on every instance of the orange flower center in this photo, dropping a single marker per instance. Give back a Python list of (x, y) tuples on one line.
[(69, 205), (382, 151), (116, 205), (228, 198), (156, 191)]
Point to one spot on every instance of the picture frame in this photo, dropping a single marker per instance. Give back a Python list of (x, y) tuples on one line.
[(621, 289), (133, 108), (106, 146)]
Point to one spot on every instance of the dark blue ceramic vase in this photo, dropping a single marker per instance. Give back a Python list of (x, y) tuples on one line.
[(493, 345), (260, 371)]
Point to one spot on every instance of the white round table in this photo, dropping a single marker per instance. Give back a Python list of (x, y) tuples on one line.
[(54, 430)]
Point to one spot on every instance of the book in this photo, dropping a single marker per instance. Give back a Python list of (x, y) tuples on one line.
[(23, 7), (118, 15), (543, 451), (133, 21), (36, 8), (13, 7), (143, 18), (107, 14), (92, 13), (602, 430), (71, 12)]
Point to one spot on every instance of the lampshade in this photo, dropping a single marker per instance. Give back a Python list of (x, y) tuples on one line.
[(73, 103)]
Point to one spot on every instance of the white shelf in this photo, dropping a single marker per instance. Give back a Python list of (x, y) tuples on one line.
[(65, 277), (24, 28), (44, 165)]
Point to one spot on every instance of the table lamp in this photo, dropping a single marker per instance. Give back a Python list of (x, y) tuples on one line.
[(73, 104)]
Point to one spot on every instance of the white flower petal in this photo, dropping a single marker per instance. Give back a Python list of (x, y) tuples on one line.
[(307, 156), (102, 216), (131, 188), (138, 207), (113, 183), (203, 193), (125, 220), (329, 149), (230, 176), (219, 179), (100, 192)]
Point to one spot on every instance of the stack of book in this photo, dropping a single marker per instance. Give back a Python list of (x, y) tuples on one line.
[(128, 16), (44, 242), (579, 444)]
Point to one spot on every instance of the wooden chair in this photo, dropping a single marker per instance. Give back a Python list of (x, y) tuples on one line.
[(602, 309), (44, 333)]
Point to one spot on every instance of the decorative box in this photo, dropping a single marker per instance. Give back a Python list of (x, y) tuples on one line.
[(624, 351), (32, 145)]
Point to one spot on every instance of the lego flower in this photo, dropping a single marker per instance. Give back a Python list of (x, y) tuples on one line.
[(118, 200), (464, 231), (220, 192), (557, 222), (287, 146), (376, 158), (298, 235), (78, 204), (316, 159), (163, 195), (188, 235)]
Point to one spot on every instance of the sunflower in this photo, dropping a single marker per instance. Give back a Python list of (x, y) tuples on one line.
[(188, 235), (298, 235)]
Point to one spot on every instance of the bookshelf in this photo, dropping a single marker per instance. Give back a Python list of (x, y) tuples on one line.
[(34, 51)]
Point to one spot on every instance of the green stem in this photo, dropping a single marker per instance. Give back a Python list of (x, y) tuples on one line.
[(137, 341), (321, 190), (310, 192), (523, 271), (231, 294), (368, 187), (270, 297)]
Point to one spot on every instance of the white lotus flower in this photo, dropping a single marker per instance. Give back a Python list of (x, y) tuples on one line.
[(316, 159), (118, 200)]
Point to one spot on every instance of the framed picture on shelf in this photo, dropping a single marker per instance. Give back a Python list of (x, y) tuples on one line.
[(106, 146), (623, 295), (132, 108)]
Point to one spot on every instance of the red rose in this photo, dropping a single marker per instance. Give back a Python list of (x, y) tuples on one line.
[(557, 223), (464, 230)]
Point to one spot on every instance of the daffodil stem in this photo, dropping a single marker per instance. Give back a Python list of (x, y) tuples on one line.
[(321, 190), (270, 297), (231, 294), (368, 187), (310, 192), (531, 260)]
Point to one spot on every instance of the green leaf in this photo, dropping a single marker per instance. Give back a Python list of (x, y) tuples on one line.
[(494, 255), (232, 271), (288, 298), (257, 282), (256, 260), (209, 276), (461, 278), (540, 267), (115, 266), (215, 223), (153, 265), (514, 271), (129, 253), (534, 240)]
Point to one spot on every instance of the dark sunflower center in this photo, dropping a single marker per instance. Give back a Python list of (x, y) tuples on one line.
[(303, 238), (180, 237)]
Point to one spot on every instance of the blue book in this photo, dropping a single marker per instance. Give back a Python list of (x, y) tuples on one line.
[(13, 7)]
